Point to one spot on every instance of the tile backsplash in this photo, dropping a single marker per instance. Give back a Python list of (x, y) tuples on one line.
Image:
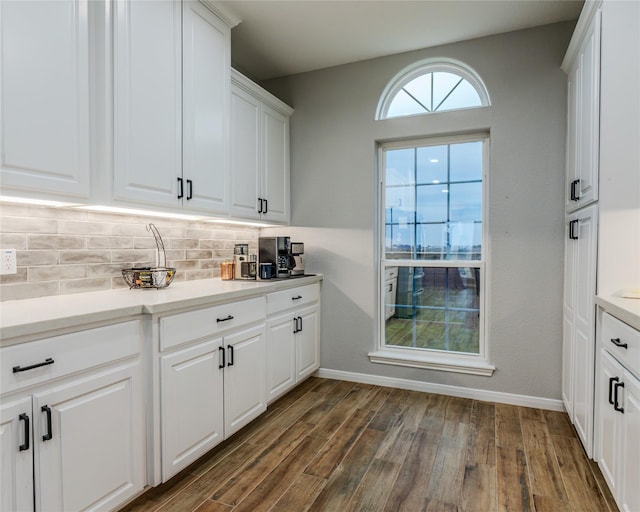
[(64, 250)]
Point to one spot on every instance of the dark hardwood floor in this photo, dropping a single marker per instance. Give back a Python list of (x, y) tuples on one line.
[(338, 446)]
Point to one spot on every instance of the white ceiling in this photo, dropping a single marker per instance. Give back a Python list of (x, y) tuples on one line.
[(284, 37)]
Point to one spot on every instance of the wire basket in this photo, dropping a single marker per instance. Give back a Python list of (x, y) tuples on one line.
[(148, 277)]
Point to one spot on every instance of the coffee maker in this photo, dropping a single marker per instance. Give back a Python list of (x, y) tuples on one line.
[(245, 265), (275, 251), (297, 250)]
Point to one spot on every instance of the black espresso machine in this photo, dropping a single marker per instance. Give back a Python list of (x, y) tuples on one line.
[(274, 257)]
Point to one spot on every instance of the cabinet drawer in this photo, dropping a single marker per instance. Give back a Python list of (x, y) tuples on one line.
[(192, 325), (70, 353), (390, 273), (292, 298), (615, 334)]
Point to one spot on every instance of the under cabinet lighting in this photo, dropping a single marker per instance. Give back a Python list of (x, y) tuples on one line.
[(241, 223), (134, 211), (36, 202)]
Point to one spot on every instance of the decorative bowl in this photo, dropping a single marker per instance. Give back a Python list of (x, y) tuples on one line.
[(147, 277)]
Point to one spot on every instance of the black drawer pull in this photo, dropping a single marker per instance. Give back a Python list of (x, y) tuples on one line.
[(47, 410), (298, 297), (222, 353), (46, 362), (27, 431), (617, 343), (611, 381), (224, 319), (572, 233), (615, 405), (574, 193)]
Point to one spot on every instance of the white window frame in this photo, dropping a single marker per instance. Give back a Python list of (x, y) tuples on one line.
[(476, 364), (430, 66)]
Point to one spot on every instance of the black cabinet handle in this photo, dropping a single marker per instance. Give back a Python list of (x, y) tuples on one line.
[(573, 235), (218, 320), (222, 353), (261, 201), (266, 206), (618, 343), (47, 410), (27, 431), (611, 381), (300, 320), (189, 189), (297, 297), (574, 193), (46, 362), (295, 324), (180, 189), (230, 363), (616, 387)]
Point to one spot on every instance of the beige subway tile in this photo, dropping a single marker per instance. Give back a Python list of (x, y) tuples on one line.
[(144, 243), (185, 264), (199, 254), (57, 272), (85, 285), (208, 264), (14, 210), (28, 290), (192, 275), (19, 277), (107, 270), (48, 212), (27, 225), (182, 243), (173, 230), (118, 282), (56, 242), (67, 257), (83, 228), (29, 258), (211, 244), (198, 233), (133, 255), (109, 242), (17, 241), (222, 234), (129, 230), (175, 254)]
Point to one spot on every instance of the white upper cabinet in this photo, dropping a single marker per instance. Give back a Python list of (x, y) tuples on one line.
[(171, 104), (147, 102), (582, 64), (259, 153), (45, 103)]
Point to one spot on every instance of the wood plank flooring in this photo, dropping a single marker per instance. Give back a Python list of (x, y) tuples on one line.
[(336, 446)]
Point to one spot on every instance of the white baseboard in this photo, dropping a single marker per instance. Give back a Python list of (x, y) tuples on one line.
[(443, 389)]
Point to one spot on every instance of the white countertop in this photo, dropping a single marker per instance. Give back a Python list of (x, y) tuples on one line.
[(32, 317), (626, 310)]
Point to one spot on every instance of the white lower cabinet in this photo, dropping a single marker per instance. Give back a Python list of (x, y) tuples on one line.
[(293, 337), (618, 411), (213, 382), (75, 439)]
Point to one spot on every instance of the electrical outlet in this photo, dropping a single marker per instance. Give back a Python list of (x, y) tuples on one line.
[(8, 262)]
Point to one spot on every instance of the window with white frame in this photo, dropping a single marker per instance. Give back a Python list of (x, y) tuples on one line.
[(432, 252)]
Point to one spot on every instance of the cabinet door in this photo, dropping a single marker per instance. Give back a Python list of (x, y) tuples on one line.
[(281, 355), (245, 382), (275, 151), (245, 154), (90, 439), (308, 342), (191, 404), (147, 92), (16, 463), (630, 445), (45, 109), (584, 272), (206, 65), (609, 421), (588, 131), (573, 122), (568, 359)]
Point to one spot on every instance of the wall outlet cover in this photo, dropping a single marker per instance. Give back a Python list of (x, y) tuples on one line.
[(8, 262)]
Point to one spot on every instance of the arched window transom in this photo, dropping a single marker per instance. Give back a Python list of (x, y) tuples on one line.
[(432, 86)]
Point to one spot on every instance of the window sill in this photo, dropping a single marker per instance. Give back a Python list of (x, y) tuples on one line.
[(458, 364)]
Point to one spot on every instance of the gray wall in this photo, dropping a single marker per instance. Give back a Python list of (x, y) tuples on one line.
[(333, 141)]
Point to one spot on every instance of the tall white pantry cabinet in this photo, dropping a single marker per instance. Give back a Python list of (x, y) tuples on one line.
[(602, 243)]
